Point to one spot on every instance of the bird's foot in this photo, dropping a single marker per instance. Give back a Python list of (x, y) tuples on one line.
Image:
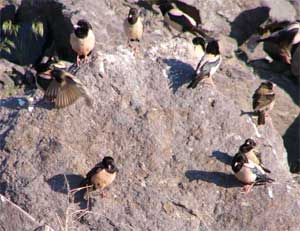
[(134, 45), (208, 82), (78, 61), (247, 188), (103, 194), (87, 59)]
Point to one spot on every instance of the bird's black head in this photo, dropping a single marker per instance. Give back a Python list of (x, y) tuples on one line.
[(199, 41), (268, 85), (213, 47), (133, 15), (42, 67), (247, 146), (164, 6), (57, 74), (82, 28), (109, 164), (238, 162)]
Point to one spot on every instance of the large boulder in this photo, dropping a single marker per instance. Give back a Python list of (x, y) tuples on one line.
[(173, 145)]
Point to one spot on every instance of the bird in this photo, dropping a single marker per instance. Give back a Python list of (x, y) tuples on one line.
[(82, 40), (248, 172), (101, 175), (208, 64), (43, 77), (248, 148), (133, 25), (281, 42), (65, 89), (263, 100), (58, 85), (198, 47), (181, 16)]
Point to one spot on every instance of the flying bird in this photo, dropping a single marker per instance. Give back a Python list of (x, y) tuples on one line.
[(263, 101), (248, 148), (281, 41), (133, 25), (101, 176), (82, 40), (58, 85), (43, 77), (208, 64), (248, 172), (181, 16)]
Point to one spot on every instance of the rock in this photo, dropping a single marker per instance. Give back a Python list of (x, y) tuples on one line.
[(173, 146), (277, 14), (295, 66)]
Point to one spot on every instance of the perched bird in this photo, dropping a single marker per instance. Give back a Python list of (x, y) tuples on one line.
[(281, 42), (181, 16), (263, 100), (133, 25), (102, 175), (208, 64), (248, 148), (82, 40), (198, 47), (248, 172)]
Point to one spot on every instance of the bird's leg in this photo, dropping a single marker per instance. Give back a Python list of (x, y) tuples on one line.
[(103, 194), (247, 188), (78, 61), (177, 36), (208, 81), (86, 59)]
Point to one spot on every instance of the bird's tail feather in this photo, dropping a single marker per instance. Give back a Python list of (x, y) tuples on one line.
[(202, 32), (194, 83), (265, 169)]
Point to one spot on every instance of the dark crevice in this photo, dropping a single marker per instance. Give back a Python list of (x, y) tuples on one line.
[(30, 47)]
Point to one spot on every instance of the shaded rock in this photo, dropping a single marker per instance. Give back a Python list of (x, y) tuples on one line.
[(247, 23), (292, 143), (56, 29), (295, 66)]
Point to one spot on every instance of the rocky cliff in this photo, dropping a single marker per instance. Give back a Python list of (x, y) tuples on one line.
[(173, 146)]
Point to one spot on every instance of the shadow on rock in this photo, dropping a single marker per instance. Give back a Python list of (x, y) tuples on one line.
[(7, 13), (179, 73), (247, 23), (291, 140), (219, 178), (58, 183), (271, 72), (14, 103), (146, 6), (223, 157)]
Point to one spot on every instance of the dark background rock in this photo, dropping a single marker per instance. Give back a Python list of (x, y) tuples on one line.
[(173, 146)]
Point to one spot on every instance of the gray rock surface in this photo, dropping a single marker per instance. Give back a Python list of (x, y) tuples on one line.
[(173, 146)]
